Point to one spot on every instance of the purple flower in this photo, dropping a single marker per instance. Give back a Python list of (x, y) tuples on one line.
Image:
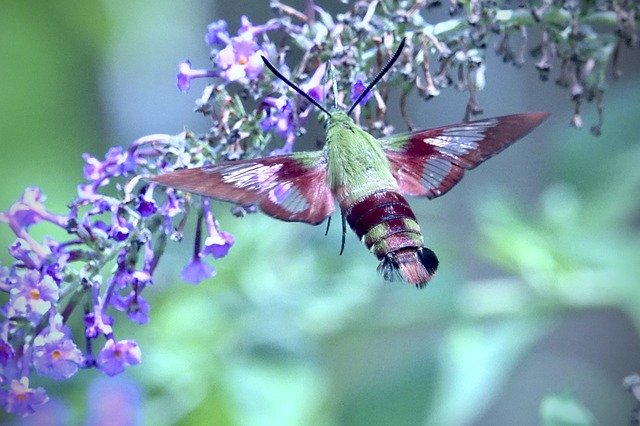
[(117, 162), (240, 58), (116, 355), (186, 74), (20, 399), (282, 119), (146, 204), (173, 205), (56, 356), (33, 294), (97, 323), (356, 90), (134, 305), (247, 27), (120, 229), (218, 242), (217, 33), (6, 352), (29, 210), (314, 86), (197, 270), (21, 250)]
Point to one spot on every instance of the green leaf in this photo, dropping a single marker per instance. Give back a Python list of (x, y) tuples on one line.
[(564, 410)]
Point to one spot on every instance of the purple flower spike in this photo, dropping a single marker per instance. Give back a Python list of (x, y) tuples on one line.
[(357, 88), (186, 74), (197, 270), (116, 355), (241, 58), (217, 33), (20, 399)]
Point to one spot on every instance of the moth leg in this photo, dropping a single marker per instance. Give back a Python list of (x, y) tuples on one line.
[(344, 231)]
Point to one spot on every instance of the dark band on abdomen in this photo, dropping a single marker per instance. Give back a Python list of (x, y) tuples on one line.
[(385, 223)]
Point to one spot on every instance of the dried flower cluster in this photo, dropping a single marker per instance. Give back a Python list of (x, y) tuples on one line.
[(118, 224)]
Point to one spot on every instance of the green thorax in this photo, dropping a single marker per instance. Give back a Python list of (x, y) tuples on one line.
[(357, 164)]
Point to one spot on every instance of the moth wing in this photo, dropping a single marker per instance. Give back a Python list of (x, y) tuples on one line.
[(430, 162), (292, 187)]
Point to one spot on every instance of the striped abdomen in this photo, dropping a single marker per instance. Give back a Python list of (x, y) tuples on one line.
[(385, 223)]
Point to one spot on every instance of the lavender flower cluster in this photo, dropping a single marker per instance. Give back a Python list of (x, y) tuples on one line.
[(118, 225)]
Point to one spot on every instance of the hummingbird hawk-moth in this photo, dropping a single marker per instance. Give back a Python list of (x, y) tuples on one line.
[(368, 178)]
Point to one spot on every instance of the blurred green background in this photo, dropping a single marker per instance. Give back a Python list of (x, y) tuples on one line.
[(534, 314)]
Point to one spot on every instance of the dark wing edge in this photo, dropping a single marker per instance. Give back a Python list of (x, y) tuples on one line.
[(430, 162), (292, 187)]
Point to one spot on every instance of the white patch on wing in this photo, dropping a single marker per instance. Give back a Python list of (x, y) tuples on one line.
[(257, 177), (461, 139), (434, 172), (288, 196)]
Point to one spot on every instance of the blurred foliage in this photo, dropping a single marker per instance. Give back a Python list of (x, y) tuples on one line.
[(48, 108), (563, 410), (289, 332)]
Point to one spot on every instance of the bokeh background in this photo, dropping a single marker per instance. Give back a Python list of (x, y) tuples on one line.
[(535, 309)]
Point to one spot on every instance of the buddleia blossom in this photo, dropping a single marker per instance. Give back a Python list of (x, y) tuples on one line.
[(18, 398), (50, 281), (118, 225)]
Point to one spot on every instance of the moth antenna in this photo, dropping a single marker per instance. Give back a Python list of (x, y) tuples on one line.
[(326, 232), (334, 84), (381, 74), (293, 85)]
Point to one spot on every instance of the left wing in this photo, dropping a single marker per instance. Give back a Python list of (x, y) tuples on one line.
[(288, 187), (430, 162)]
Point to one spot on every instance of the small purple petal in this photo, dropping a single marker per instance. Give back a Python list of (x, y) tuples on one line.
[(135, 306), (197, 270), (6, 352), (146, 204), (115, 356), (218, 245), (97, 323), (21, 251), (20, 399), (33, 295), (119, 233), (186, 74), (217, 33), (356, 89), (245, 25), (57, 359), (27, 210), (282, 119), (314, 87)]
